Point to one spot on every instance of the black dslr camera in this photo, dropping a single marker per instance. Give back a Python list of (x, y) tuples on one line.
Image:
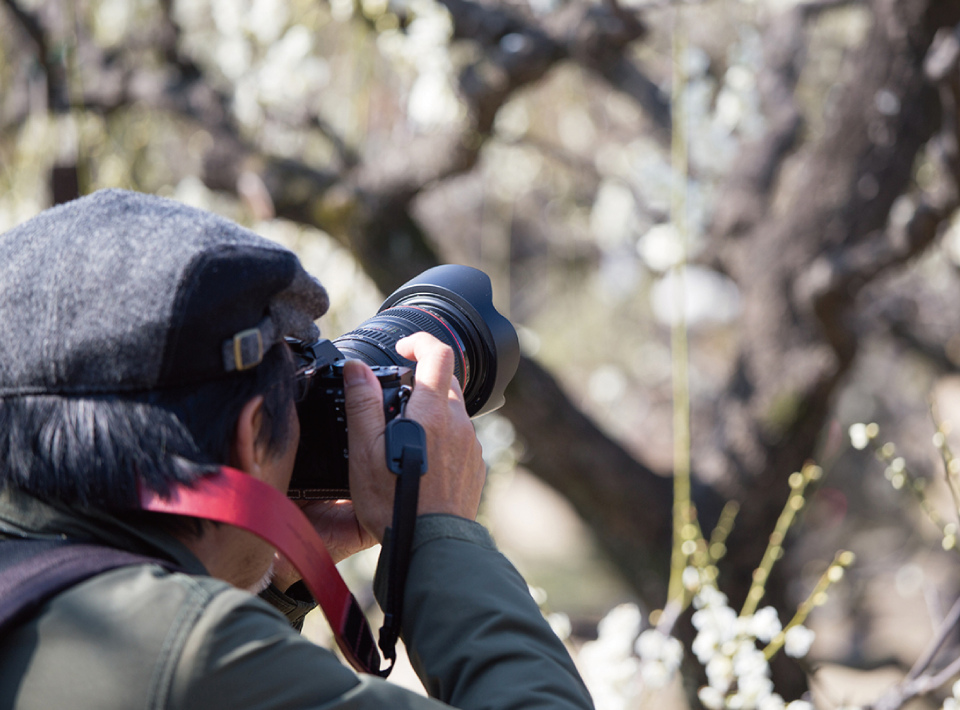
[(453, 303)]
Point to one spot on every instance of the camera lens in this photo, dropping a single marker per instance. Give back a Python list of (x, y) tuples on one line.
[(455, 305)]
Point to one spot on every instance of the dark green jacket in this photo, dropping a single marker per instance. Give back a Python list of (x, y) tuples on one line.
[(142, 637)]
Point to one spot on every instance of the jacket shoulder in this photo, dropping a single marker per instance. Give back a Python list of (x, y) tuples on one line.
[(114, 639)]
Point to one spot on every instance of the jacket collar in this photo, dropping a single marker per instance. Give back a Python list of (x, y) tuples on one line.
[(22, 515)]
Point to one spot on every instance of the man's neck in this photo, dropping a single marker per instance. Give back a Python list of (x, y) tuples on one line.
[(233, 555)]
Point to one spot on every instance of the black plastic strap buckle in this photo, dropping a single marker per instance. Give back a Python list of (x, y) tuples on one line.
[(406, 444)]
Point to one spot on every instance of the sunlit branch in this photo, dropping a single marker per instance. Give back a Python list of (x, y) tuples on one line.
[(798, 484), (685, 535)]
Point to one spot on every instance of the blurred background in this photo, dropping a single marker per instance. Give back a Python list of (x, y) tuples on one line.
[(799, 157)]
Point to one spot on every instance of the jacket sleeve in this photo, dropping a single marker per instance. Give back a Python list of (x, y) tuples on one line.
[(474, 635), (241, 654)]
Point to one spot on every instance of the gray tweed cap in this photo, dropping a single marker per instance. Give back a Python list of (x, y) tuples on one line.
[(124, 292)]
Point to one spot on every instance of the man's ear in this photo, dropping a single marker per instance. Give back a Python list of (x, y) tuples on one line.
[(248, 452)]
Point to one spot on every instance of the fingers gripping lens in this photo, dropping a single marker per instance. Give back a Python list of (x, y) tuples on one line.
[(376, 339)]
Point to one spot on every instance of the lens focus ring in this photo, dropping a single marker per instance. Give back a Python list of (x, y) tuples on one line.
[(386, 328)]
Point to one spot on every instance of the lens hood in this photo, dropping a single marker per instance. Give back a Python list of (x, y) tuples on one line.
[(464, 296)]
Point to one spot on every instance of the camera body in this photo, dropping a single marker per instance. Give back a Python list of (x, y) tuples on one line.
[(453, 303), (321, 471)]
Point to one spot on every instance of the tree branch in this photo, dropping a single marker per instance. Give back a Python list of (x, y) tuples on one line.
[(593, 36), (54, 70), (799, 268)]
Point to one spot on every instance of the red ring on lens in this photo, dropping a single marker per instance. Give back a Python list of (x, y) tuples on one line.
[(453, 336)]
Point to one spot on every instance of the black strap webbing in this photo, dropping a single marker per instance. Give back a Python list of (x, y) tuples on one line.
[(406, 447), (400, 548), (34, 571)]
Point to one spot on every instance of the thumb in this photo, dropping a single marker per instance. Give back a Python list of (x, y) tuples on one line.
[(364, 400), (370, 486)]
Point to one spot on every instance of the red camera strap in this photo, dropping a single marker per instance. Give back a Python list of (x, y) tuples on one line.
[(235, 498)]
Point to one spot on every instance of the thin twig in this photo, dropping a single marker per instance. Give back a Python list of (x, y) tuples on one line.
[(943, 676), (943, 631), (795, 502), (678, 331)]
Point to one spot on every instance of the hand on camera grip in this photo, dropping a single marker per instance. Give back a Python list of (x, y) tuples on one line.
[(456, 471)]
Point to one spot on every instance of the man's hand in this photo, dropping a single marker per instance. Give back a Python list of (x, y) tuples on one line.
[(338, 527), (455, 469)]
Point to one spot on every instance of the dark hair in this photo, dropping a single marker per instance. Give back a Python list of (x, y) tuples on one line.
[(89, 452)]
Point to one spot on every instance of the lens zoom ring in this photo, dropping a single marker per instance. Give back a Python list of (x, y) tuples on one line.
[(388, 327)]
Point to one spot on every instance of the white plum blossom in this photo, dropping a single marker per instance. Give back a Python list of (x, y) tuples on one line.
[(738, 673), (858, 436), (723, 619), (620, 627), (716, 625), (661, 248), (752, 690), (691, 578), (765, 624), (707, 297), (709, 596), (720, 673), (771, 702), (798, 641), (613, 214), (654, 674), (711, 698), (608, 665), (608, 675), (654, 645), (424, 47), (728, 645), (660, 657), (752, 671), (953, 702), (862, 434), (560, 623), (622, 662), (749, 661), (432, 101)]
